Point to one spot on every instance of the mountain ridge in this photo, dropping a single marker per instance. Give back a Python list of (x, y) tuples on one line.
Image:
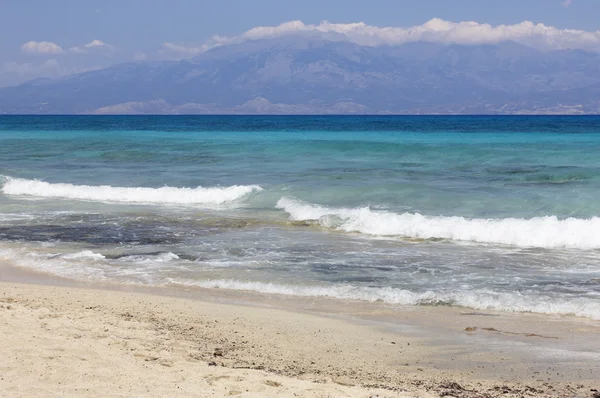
[(312, 75)]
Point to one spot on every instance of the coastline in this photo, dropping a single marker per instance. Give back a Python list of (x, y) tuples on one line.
[(74, 338)]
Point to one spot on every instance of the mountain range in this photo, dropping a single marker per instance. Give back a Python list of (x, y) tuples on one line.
[(309, 74)]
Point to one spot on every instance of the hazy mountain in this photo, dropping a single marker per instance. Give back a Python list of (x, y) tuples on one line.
[(299, 74)]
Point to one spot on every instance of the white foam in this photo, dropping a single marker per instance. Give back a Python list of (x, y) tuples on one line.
[(543, 232), (9, 217), (476, 299), (150, 259), (85, 265), (83, 254), (89, 266), (107, 193)]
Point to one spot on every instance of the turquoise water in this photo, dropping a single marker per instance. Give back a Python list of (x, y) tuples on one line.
[(483, 212)]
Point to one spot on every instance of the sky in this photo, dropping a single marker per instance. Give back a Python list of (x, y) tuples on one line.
[(42, 38)]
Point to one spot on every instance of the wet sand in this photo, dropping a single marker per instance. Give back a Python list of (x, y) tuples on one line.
[(65, 338)]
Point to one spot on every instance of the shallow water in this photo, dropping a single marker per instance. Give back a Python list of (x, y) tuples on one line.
[(483, 212)]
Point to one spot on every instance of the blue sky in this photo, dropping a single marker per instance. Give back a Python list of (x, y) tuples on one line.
[(123, 30)]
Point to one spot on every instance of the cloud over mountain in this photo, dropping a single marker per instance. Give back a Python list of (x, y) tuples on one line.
[(435, 31)]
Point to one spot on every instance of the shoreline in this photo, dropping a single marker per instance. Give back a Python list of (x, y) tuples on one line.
[(348, 347)]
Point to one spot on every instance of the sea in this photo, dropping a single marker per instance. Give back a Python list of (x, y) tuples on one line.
[(484, 212)]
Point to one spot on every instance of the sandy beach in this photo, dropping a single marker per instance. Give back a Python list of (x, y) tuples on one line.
[(66, 341)]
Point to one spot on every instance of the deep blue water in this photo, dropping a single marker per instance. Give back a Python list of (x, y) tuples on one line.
[(482, 211)]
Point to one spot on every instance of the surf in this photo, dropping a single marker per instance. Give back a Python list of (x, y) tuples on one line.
[(547, 232), (132, 195), (481, 299)]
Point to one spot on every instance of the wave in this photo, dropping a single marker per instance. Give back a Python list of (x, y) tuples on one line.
[(146, 270), (83, 254), (541, 232), (157, 258), (476, 299), (141, 195), (89, 266)]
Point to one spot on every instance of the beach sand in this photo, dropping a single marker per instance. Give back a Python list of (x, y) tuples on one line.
[(73, 341)]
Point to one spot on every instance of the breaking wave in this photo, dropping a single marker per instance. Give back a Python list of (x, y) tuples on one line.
[(107, 193), (542, 232), (85, 254)]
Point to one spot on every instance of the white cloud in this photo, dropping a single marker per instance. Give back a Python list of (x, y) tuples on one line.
[(47, 47), (93, 45), (41, 47), (567, 3), (436, 30), (97, 44), (180, 49), (78, 50)]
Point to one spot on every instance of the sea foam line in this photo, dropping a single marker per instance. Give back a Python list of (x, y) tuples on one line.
[(481, 299), (107, 193), (91, 266), (542, 232)]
